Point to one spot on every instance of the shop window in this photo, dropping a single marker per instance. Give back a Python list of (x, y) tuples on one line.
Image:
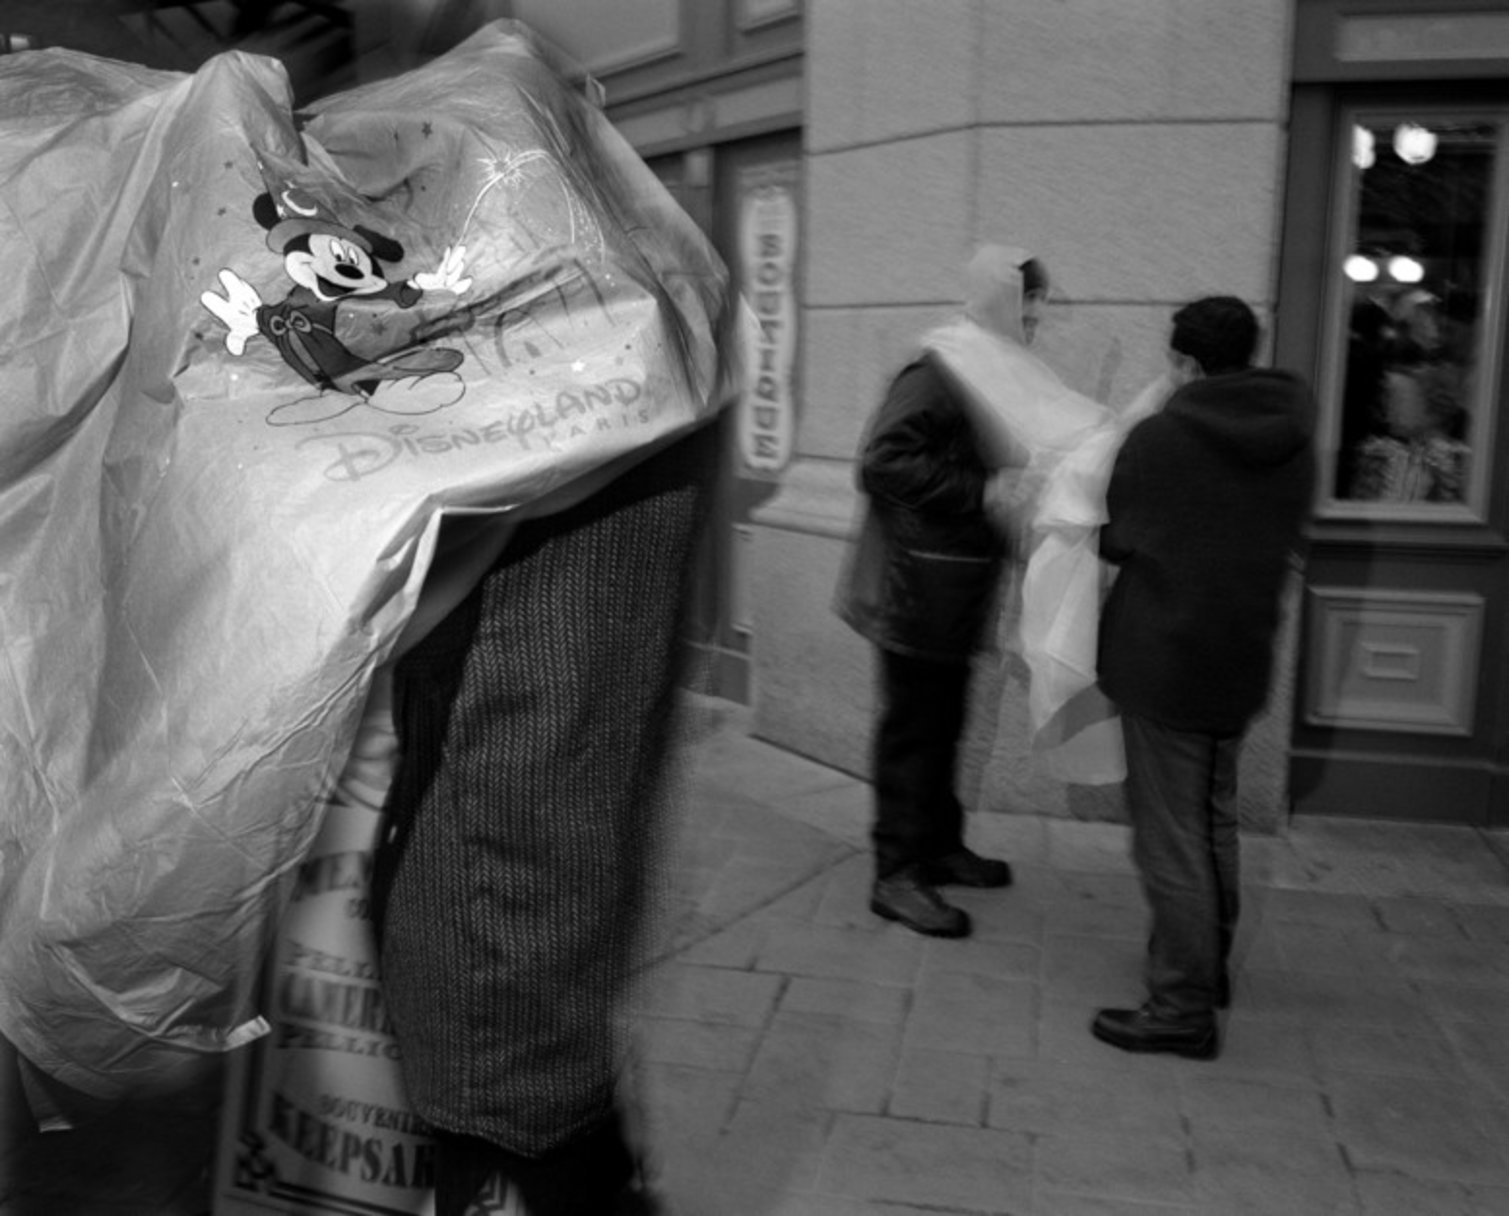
[(1415, 291)]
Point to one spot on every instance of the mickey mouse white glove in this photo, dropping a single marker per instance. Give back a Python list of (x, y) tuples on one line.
[(450, 274), (238, 309)]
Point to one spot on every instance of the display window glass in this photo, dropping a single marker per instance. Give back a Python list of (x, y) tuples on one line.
[(1415, 299)]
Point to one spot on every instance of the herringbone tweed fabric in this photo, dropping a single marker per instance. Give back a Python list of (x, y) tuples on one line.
[(525, 815)]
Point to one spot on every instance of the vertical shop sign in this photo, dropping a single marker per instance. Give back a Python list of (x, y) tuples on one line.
[(767, 271)]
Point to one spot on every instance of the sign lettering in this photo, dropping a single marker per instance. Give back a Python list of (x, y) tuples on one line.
[(768, 232)]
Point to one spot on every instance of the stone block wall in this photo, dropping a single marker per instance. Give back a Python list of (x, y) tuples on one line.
[(1137, 147)]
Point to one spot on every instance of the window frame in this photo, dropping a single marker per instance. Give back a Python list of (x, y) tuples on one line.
[(1341, 239)]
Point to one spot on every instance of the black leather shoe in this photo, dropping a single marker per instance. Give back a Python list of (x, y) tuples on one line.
[(967, 869), (907, 898), (1144, 1030)]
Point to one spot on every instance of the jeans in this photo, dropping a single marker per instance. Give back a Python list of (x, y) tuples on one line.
[(1181, 789), (918, 817)]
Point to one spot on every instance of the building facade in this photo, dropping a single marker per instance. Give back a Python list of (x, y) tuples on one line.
[(1134, 148), (1343, 167)]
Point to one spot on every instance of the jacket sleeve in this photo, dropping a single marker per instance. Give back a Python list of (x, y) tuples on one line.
[(1118, 536), (910, 458)]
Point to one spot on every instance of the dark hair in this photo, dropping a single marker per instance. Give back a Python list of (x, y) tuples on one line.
[(1034, 277), (1220, 333)]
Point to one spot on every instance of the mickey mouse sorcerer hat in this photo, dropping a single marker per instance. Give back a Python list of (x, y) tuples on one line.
[(292, 213)]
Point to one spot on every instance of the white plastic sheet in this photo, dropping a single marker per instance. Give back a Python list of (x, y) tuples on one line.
[(1065, 443), (249, 362)]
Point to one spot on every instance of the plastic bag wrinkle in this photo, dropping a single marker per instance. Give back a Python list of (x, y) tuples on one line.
[(214, 555)]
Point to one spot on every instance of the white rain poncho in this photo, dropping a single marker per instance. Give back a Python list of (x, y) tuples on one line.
[(1062, 444)]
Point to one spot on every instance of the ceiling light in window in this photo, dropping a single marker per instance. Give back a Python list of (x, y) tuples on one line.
[(1405, 270), (1362, 148), (1360, 269), (1414, 144)]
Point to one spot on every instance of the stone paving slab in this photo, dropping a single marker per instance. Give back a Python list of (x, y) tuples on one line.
[(956, 1169), (1393, 1194), (1365, 1070)]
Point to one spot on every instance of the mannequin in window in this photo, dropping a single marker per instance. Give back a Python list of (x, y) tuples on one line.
[(1421, 457), (1363, 416)]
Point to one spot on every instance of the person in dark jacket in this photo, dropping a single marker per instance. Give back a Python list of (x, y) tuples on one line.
[(1206, 505), (921, 587)]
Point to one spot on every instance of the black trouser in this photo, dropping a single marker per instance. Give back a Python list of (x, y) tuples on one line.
[(535, 729), (582, 1178), (1181, 792), (918, 817)]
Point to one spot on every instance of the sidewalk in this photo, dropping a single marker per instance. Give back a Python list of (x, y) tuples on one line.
[(804, 1058), (807, 1059)]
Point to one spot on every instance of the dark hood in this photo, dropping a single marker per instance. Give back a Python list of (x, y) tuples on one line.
[(1257, 418)]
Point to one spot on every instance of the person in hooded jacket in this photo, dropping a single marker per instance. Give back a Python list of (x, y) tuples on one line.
[(921, 586), (1206, 504)]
